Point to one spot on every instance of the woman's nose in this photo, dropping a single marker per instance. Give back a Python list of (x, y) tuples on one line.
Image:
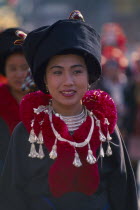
[(21, 73), (68, 79)]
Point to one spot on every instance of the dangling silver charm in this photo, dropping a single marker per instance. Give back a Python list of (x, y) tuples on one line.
[(101, 136), (108, 136), (109, 150), (41, 154), (106, 121), (32, 137), (77, 161), (102, 154), (33, 153), (98, 122), (90, 157), (40, 138), (53, 153)]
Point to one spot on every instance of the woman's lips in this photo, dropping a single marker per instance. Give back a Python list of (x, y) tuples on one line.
[(68, 93)]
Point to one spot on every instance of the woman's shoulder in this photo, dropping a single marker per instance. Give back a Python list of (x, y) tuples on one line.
[(102, 105), (6, 97), (29, 103), (35, 99)]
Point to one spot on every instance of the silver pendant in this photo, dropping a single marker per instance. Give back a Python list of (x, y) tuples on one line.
[(53, 153), (108, 136), (32, 137), (33, 153), (77, 161), (109, 151), (40, 138), (41, 154), (102, 154), (90, 157), (102, 137)]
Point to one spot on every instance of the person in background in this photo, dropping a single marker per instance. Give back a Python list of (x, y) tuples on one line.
[(29, 84), (67, 153), (13, 67), (2, 79), (114, 79), (132, 117)]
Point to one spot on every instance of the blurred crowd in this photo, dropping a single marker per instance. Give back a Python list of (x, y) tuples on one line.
[(121, 79)]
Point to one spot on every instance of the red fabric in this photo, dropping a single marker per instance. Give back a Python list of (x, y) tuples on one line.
[(63, 175), (3, 79), (9, 107)]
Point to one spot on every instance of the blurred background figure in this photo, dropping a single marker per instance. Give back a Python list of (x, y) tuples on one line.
[(3, 79), (114, 66), (14, 68), (113, 35), (29, 85), (132, 102)]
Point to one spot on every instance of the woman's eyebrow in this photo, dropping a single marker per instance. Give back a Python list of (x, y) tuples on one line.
[(56, 66), (73, 66), (77, 65)]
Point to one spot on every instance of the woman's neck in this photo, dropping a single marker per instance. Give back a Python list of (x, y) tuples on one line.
[(68, 110), (18, 95)]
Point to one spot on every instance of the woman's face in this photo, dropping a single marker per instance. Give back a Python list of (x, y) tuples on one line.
[(67, 80), (16, 69)]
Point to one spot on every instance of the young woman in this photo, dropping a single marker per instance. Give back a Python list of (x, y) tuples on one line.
[(14, 67), (67, 153)]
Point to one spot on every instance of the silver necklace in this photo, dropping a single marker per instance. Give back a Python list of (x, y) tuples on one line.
[(77, 162), (33, 139), (73, 122)]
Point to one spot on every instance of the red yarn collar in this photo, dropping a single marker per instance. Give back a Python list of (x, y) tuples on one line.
[(9, 108), (63, 176)]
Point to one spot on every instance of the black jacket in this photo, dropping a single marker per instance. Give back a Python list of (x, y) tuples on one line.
[(24, 183)]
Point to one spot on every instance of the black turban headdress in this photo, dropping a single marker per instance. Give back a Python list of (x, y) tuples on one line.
[(65, 36), (7, 47)]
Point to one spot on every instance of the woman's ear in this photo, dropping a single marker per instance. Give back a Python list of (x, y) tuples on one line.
[(45, 81)]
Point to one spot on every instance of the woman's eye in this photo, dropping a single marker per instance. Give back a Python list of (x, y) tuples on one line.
[(12, 69), (24, 68), (57, 72), (77, 71)]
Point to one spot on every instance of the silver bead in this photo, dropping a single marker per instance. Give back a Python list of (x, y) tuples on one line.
[(102, 154), (77, 161), (109, 151), (102, 137), (53, 153), (91, 113), (32, 136), (33, 153), (40, 138), (41, 154), (98, 123), (57, 115), (106, 121), (58, 136), (90, 158), (108, 136)]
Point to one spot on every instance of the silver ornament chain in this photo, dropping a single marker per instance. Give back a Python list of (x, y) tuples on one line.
[(75, 144)]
